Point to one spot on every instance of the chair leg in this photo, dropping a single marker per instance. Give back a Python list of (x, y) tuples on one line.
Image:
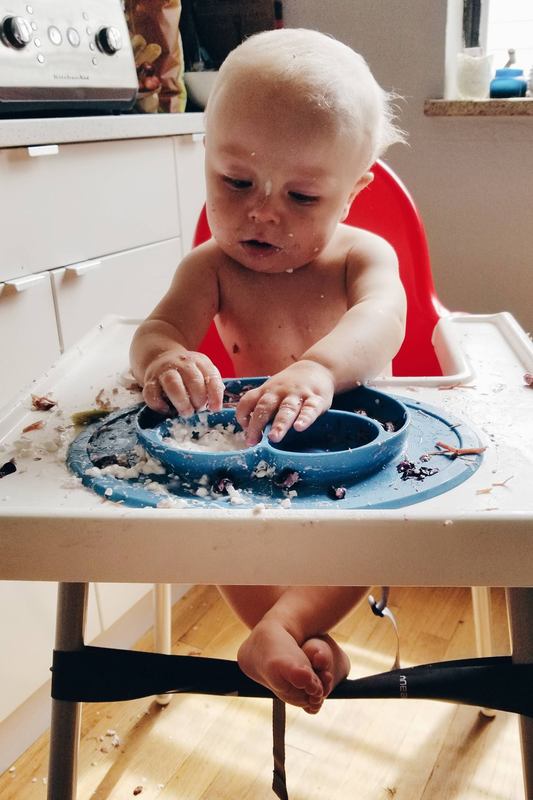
[(481, 606), (66, 716), (520, 613), (162, 627), (482, 612)]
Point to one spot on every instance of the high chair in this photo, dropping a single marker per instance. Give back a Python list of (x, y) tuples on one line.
[(386, 208)]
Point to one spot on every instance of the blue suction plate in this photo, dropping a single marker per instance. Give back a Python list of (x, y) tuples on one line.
[(339, 446), (372, 450)]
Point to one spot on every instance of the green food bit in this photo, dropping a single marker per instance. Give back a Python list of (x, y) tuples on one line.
[(91, 415)]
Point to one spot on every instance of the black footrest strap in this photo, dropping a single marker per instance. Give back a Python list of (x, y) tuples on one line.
[(104, 674)]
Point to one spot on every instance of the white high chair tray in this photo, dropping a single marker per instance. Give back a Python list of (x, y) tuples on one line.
[(479, 533)]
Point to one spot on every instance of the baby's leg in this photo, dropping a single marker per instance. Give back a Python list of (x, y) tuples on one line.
[(288, 649)]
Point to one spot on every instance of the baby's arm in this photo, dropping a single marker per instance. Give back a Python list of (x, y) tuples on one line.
[(360, 345), (163, 351)]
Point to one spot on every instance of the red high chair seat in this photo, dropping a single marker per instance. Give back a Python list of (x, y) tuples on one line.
[(386, 208)]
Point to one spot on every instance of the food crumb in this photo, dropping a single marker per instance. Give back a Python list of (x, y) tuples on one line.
[(42, 403), (8, 468), (34, 426), (138, 790)]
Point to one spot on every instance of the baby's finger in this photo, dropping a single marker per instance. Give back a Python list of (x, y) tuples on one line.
[(193, 380), (153, 397), (246, 405), (285, 417), (214, 386), (260, 416), (174, 388), (312, 408)]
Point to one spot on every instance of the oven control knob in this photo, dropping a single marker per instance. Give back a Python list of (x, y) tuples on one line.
[(109, 40), (16, 31)]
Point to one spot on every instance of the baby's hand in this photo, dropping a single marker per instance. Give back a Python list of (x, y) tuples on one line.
[(184, 379), (294, 397)]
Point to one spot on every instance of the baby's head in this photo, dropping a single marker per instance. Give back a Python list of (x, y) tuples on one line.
[(307, 72), (294, 122)]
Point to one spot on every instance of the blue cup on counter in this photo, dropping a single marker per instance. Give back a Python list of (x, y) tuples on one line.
[(508, 82)]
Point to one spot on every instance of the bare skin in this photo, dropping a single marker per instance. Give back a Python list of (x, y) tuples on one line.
[(288, 649), (296, 295)]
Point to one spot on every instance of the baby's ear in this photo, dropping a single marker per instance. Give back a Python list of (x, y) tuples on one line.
[(360, 184)]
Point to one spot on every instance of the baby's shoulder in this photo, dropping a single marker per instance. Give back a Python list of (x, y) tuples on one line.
[(358, 244), (205, 257)]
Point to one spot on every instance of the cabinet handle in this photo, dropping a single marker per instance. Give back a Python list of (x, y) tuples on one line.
[(21, 284), (35, 151), (84, 267)]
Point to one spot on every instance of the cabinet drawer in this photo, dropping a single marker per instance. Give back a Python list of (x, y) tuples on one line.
[(129, 284), (29, 343), (77, 201), (27, 627)]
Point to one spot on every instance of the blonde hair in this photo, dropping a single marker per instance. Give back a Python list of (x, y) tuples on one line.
[(328, 74)]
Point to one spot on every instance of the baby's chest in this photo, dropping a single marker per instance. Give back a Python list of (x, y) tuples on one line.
[(290, 299), (291, 317)]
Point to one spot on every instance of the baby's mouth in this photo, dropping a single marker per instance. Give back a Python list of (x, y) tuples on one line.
[(260, 247)]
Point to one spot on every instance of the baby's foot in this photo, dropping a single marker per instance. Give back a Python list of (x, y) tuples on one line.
[(272, 657), (328, 660)]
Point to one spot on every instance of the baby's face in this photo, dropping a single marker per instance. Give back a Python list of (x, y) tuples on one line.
[(277, 184)]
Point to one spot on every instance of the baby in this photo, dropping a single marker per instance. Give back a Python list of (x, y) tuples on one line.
[(293, 125)]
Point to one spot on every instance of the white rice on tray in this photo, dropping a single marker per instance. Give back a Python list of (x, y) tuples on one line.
[(217, 439)]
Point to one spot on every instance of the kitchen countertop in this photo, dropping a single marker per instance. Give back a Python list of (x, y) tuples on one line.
[(60, 130)]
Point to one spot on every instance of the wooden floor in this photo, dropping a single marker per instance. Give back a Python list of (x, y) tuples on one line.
[(215, 748)]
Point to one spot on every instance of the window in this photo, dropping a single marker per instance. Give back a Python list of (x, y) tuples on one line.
[(497, 26)]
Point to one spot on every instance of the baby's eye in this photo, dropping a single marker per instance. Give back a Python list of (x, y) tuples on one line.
[(304, 199), (236, 183)]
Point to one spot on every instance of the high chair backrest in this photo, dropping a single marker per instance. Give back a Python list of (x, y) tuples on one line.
[(386, 208)]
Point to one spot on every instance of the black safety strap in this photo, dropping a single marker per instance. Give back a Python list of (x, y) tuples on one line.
[(99, 674), (279, 778)]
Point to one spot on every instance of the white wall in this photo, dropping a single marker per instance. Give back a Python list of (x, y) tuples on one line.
[(470, 177)]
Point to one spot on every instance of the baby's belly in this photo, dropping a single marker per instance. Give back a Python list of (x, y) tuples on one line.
[(260, 364), (266, 352)]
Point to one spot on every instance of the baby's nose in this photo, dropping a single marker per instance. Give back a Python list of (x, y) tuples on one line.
[(264, 210)]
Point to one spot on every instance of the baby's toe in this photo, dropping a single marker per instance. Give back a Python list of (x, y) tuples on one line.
[(319, 654)]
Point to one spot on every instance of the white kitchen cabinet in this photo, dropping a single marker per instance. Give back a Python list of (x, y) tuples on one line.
[(74, 202), (129, 283), (27, 613), (87, 228), (29, 340)]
